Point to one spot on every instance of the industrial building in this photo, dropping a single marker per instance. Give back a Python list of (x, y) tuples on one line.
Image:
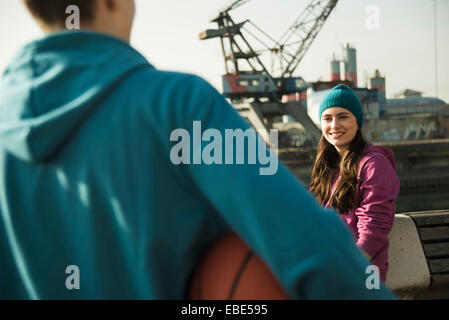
[(408, 116), (411, 103)]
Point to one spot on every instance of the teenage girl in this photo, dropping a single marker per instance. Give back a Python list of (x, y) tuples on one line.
[(354, 177)]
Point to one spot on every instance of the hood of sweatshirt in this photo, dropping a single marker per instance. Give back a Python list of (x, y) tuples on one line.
[(53, 84), (387, 152)]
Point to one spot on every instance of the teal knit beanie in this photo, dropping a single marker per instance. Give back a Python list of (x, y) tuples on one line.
[(343, 97)]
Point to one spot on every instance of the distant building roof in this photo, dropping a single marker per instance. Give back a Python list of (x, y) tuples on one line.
[(408, 93), (415, 100), (377, 74), (324, 85)]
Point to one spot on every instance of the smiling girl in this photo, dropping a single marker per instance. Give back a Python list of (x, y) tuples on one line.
[(354, 177)]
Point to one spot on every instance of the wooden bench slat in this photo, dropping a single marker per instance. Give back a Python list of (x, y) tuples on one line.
[(433, 250), (434, 234), (440, 281), (431, 219), (439, 265)]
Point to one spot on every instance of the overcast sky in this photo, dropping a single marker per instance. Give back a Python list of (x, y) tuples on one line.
[(166, 32)]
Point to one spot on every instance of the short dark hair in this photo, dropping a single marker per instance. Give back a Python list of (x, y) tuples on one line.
[(53, 12)]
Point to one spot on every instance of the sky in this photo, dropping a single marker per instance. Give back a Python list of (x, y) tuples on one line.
[(166, 32)]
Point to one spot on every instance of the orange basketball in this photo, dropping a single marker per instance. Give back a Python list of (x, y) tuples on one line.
[(231, 271)]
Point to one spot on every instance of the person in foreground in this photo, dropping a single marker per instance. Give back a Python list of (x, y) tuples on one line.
[(355, 177), (87, 182)]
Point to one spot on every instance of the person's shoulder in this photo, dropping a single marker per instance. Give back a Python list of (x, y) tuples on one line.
[(185, 95), (170, 79), (375, 157), (379, 167), (172, 87)]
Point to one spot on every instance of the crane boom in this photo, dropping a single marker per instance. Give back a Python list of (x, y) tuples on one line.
[(245, 66), (306, 27), (235, 4)]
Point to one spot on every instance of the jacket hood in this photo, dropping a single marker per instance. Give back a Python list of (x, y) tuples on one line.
[(53, 84), (387, 152)]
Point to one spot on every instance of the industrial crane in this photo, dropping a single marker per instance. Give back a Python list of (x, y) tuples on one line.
[(248, 77), (287, 52)]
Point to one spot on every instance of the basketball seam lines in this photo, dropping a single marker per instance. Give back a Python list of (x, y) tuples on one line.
[(239, 274), (200, 282)]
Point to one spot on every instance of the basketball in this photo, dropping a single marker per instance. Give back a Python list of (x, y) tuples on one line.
[(231, 271)]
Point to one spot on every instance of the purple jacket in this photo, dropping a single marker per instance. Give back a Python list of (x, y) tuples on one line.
[(372, 218)]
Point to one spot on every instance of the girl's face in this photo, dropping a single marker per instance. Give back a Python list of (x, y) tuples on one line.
[(339, 126)]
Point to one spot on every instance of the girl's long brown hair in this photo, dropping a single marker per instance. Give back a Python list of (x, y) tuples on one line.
[(325, 168)]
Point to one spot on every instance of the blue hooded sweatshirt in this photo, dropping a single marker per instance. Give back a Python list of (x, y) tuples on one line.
[(86, 180)]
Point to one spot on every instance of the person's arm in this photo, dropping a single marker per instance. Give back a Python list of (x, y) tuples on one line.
[(308, 248), (376, 211)]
